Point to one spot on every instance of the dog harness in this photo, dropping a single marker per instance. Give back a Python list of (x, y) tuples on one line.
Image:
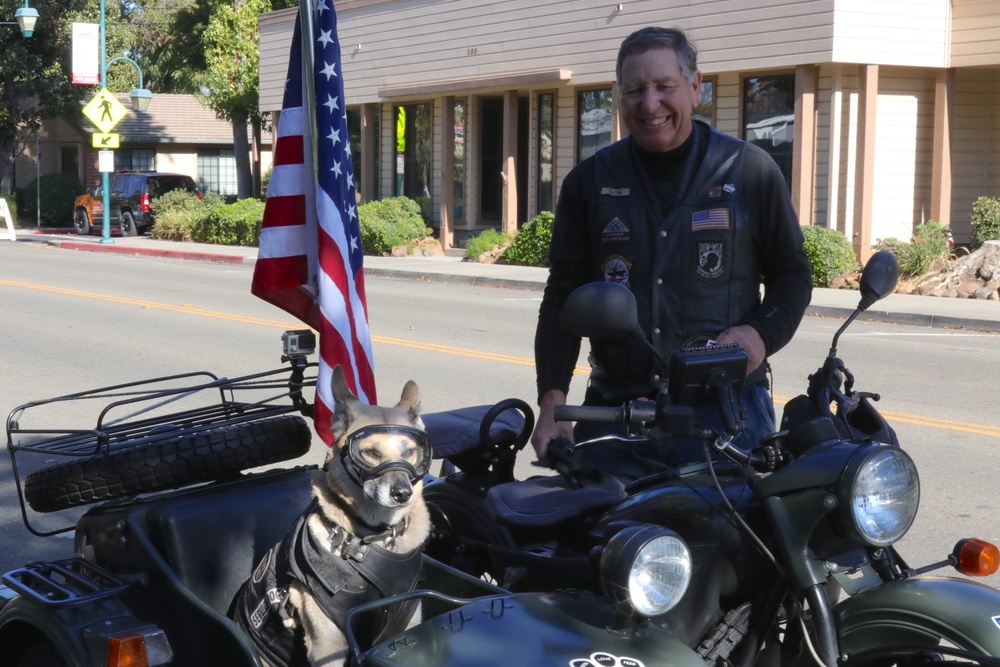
[(358, 571)]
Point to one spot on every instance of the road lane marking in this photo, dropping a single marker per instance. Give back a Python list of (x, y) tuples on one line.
[(919, 420)]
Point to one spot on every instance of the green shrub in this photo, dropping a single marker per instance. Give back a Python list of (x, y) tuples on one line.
[(231, 224), (489, 240), (916, 257), (530, 246), (830, 254), (58, 192), (12, 207), (985, 220), (179, 211), (387, 223), (426, 207)]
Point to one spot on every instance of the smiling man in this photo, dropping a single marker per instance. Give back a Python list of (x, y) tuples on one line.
[(692, 221)]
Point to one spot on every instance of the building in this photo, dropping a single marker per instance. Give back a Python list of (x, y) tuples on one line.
[(176, 134), (880, 112)]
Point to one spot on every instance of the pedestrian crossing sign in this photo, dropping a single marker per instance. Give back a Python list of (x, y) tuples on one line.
[(105, 140), (104, 111)]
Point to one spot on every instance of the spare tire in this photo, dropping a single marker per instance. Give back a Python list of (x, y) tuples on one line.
[(168, 463)]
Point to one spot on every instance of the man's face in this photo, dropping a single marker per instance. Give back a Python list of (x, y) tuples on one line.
[(657, 101)]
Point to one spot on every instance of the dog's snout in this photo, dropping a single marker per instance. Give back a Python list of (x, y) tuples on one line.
[(401, 492)]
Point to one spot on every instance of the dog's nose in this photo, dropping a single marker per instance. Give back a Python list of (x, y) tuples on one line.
[(401, 492)]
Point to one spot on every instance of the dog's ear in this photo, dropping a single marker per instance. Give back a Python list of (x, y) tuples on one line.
[(410, 399), (343, 399)]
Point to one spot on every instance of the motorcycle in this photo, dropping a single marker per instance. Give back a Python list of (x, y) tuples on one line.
[(174, 492), (781, 555)]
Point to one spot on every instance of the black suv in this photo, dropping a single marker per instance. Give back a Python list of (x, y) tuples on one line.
[(131, 194)]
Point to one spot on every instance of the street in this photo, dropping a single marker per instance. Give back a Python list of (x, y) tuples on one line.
[(75, 320)]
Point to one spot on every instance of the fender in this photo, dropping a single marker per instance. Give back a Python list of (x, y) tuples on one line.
[(919, 611), (78, 633)]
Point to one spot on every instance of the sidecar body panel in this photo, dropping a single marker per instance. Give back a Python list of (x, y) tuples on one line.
[(920, 612), (562, 628)]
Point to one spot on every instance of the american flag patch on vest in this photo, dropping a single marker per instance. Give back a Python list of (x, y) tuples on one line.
[(715, 218)]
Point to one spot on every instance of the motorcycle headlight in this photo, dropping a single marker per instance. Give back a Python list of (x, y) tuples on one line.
[(881, 491), (646, 568)]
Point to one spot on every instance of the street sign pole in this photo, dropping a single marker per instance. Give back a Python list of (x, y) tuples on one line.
[(105, 179)]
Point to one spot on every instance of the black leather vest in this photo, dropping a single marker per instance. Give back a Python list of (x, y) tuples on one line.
[(694, 271), (337, 583)]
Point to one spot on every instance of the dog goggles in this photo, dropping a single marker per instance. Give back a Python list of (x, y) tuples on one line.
[(375, 450)]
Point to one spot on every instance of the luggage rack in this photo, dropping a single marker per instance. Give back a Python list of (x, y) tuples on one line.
[(136, 414)]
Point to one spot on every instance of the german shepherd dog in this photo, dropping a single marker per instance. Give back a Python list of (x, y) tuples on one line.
[(359, 540)]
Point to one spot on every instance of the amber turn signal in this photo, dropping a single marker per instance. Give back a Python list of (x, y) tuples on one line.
[(976, 558), (127, 650)]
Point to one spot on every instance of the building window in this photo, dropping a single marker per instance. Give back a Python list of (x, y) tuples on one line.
[(546, 141), (357, 154), (593, 122), (413, 151), (769, 117), (135, 159), (705, 110), (217, 171), (459, 212)]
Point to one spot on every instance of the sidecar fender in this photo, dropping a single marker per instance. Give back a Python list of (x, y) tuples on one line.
[(563, 628), (79, 634), (918, 611)]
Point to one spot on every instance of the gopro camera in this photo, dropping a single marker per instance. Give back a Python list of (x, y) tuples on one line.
[(298, 343)]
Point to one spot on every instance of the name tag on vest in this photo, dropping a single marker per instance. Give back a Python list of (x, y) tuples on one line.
[(616, 192)]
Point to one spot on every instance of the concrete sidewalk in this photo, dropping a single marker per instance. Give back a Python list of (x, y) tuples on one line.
[(972, 314)]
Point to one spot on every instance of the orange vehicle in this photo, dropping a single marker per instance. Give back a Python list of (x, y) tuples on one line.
[(86, 209)]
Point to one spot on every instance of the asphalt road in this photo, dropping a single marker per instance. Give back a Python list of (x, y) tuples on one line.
[(74, 320)]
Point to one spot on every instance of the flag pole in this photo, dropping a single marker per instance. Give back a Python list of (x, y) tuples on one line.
[(307, 18)]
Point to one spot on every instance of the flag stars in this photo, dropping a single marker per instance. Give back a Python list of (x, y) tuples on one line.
[(329, 69), (322, 7), (336, 169), (325, 38), (331, 102), (334, 136)]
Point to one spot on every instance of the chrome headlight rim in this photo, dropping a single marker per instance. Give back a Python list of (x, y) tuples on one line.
[(879, 494), (646, 570)]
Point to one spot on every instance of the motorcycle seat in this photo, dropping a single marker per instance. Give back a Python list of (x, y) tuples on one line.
[(546, 501), (457, 431)]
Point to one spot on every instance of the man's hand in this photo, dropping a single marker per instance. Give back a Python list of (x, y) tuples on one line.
[(747, 338), (547, 428)]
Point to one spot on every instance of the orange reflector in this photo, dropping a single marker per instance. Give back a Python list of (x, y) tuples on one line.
[(977, 558), (127, 651)]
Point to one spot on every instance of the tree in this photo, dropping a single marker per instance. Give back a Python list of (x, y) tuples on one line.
[(34, 79), (232, 61)]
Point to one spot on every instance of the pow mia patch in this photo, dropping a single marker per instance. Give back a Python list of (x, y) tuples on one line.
[(615, 232), (710, 264), (617, 269)]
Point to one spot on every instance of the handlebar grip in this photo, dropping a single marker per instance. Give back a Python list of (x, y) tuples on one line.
[(590, 413)]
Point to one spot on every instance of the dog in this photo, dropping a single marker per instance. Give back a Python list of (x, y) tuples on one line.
[(359, 540)]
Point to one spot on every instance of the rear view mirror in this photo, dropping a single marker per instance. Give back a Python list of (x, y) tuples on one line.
[(878, 279), (601, 310)]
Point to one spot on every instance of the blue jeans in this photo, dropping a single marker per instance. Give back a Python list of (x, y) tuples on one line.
[(629, 461)]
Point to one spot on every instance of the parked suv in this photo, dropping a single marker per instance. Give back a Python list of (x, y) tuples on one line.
[(130, 197)]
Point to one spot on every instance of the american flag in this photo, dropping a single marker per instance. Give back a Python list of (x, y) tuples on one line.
[(314, 271)]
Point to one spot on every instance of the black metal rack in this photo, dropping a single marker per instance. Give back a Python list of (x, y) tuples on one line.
[(136, 414)]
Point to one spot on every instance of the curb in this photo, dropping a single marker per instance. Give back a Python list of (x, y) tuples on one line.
[(155, 252), (916, 319), (477, 281)]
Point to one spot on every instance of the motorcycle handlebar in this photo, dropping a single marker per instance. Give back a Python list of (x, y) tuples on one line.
[(590, 413)]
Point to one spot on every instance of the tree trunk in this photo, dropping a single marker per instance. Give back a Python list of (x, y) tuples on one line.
[(244, 177)]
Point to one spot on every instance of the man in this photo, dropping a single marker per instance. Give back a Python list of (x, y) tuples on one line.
[(691, 221)]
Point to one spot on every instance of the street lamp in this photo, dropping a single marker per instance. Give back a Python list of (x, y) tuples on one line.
[(26, 18), (141, 97)]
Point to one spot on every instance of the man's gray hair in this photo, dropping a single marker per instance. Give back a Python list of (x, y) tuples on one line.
[(652, 37)]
